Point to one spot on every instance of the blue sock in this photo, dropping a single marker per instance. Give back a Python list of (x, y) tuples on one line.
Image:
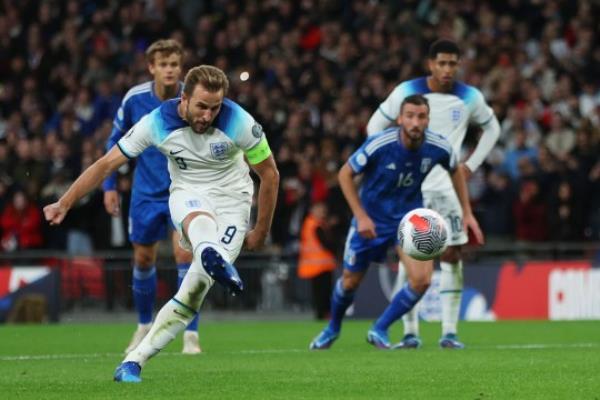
[(144, 292), (182, 269), (340, 301), (402, 302)]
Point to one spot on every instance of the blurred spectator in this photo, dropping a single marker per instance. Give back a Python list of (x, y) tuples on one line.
[(529, 213), (317, 257), (517, 153), (20, 224)]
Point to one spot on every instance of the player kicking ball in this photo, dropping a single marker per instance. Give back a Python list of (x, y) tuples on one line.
[(393, 163), (205, 137)]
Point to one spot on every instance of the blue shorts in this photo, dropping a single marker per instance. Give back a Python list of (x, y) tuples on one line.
[(359, 252), (149, 219)]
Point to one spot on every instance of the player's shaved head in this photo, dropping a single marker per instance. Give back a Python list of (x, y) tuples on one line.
[(210, 77)]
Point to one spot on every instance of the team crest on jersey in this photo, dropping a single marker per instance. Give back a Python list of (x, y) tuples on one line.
[(425, 165), (257, 130), (219, 150), (455, 114)]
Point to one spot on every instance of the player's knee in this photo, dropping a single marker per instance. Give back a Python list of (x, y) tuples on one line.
[(144, 256), (451, 255), (182, 256), (350, 282), (193, 215), (421, 285)]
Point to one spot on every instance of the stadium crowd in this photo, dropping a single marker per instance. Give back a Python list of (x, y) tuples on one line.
[(312, 72)]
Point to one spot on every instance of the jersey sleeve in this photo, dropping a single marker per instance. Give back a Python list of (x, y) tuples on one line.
[(139, 137), (450, 162), (481, 112), (388, 111), (121, 124), (251, 139), (359, 160)]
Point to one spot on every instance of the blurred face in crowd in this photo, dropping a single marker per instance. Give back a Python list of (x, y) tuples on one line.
[(166, 69), (201, 108), (443, 70), (414, 120)]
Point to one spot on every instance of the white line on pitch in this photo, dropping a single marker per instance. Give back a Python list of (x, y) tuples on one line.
[(284, 351)]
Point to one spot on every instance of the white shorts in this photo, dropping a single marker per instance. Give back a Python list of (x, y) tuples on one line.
[(446, 203), (232, 213)]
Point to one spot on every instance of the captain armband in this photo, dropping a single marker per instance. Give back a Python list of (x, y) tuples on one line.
[(259, 153)]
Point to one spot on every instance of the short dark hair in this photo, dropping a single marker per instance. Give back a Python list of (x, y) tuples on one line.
[(443, 46), (415, 99)]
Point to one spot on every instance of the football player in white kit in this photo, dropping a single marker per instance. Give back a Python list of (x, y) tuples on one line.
[(453, 106), (205, 137)]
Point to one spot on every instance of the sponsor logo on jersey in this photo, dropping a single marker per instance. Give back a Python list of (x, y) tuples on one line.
[(219, 150), (391, 166), (257, 130), (173, 152), (425, 165)]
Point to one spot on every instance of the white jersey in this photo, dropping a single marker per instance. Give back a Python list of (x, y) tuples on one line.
[(212, 161), (450, 115)]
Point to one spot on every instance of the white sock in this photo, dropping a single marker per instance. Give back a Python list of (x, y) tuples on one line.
[(174, 316), (203, 232), (451, 286), (411, 318)]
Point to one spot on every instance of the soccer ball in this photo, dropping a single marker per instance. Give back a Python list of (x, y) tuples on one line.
[(423, 234)]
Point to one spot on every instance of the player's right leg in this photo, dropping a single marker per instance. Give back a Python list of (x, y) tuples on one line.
[(147, 226), (419, 278), (183, 259), (410, 320), (357, 257)]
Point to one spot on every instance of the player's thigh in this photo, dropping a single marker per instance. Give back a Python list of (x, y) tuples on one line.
[(418, 272), (360, 253), (148, 220), (184, 202), (233, 216), (446, 203)]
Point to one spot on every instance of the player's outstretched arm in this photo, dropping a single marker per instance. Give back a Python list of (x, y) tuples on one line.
[(88, 180), (365, 225), (460, 186), (267, 198)]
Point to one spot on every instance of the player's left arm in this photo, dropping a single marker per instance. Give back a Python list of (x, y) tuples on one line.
[(267, 198), (483, 116), (88, 180)]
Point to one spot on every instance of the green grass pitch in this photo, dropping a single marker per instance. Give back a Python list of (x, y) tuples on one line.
[(270, 360)]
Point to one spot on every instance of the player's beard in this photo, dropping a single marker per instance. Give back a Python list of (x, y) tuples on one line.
[(415, 137), (197, 127)]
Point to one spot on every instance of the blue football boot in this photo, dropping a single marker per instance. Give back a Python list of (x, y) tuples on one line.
[(378, 339), (409, 341), (221, 271), (128, 371), (450, 341), (324, 340)]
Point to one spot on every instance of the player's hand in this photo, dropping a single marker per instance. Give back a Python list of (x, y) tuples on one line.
[(112, 203), (55, 213), (366, 227), (472, 224), (255, 240)]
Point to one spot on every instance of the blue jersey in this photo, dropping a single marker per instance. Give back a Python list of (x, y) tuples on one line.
[(392, 174), (151, 177)]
